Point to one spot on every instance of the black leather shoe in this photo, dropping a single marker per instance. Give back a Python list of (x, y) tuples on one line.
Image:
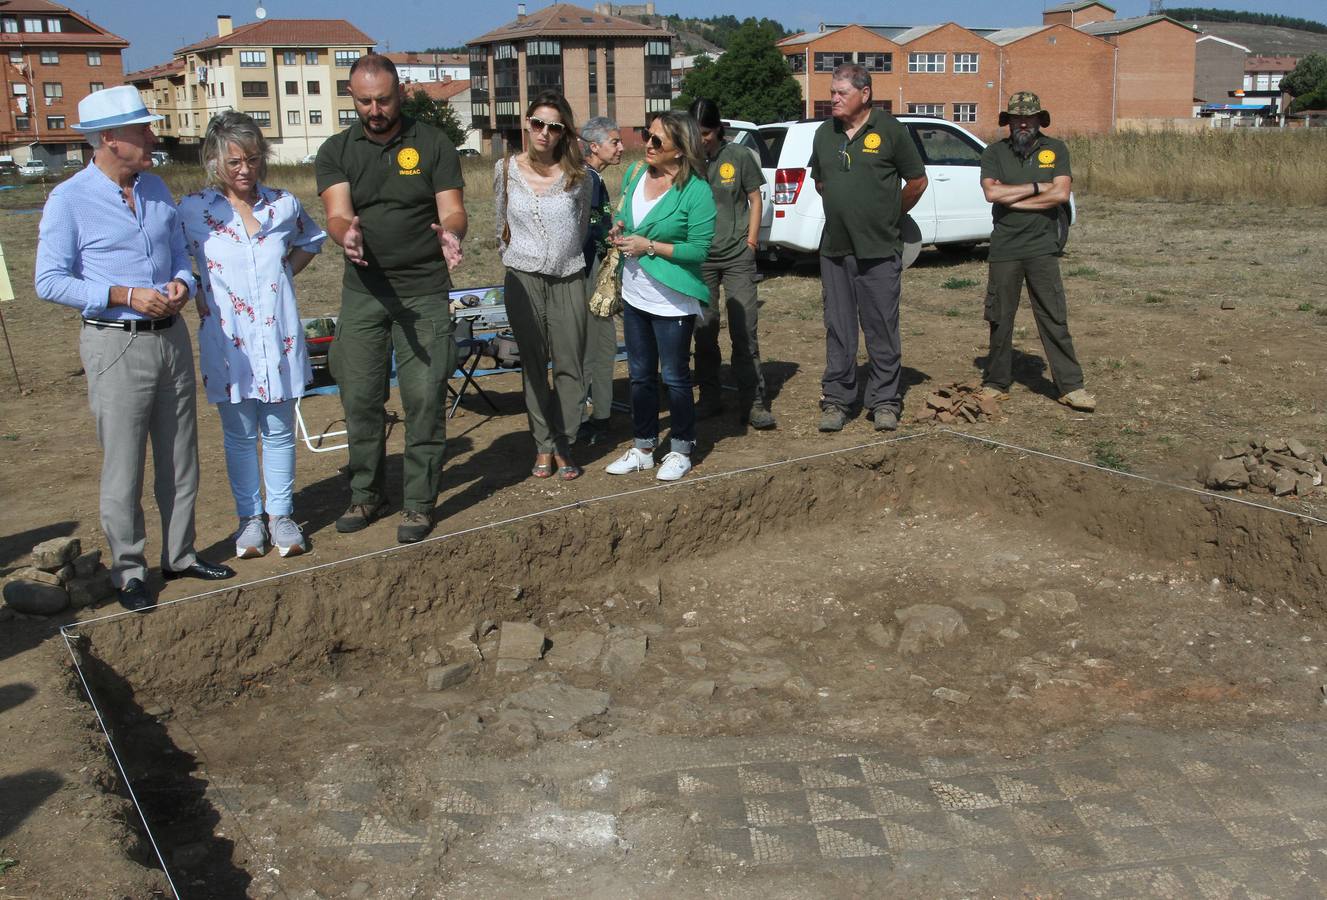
[(134, 596), (200, 569)]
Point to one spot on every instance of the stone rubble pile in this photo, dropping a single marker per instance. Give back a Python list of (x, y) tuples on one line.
[(1275, 465), (61, 576), (962, 402)]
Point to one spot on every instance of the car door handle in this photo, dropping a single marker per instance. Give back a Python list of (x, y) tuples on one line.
[(942, 178)]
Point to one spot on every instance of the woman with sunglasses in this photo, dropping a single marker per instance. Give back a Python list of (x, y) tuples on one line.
[(542, 198), (249, 241), (664, 234)]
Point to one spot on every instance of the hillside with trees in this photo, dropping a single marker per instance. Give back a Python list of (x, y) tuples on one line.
[(1203, 14)]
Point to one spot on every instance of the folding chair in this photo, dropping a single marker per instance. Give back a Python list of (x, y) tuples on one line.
[(468, 349)]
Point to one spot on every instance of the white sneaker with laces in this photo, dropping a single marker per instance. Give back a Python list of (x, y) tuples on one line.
[(251, 539), (674, 466), (287, 537), (634, 460)]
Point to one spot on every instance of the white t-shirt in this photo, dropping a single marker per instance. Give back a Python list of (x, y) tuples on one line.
[(638, 288)]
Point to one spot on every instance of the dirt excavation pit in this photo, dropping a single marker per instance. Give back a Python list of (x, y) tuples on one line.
[(928, 668)]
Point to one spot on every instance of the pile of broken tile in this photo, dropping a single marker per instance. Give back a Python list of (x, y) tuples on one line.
[(1275, 465), (962, 401)]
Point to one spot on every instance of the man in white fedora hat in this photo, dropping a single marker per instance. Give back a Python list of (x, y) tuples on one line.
[(110, 246)]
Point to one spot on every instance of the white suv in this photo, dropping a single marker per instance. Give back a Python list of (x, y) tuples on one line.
[(953, 211)]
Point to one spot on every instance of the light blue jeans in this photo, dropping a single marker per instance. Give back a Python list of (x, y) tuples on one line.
[(240, 426)]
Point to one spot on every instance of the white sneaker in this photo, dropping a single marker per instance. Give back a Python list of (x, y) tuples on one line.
[(634, 460), (674, 466), (287, 537), (251, 539)]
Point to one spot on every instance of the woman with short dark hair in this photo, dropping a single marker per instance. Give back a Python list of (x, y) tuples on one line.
[(664, 233), (542, 200), (248, 241)]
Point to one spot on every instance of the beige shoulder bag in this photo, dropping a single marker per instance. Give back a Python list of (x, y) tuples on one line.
[(606, 298)]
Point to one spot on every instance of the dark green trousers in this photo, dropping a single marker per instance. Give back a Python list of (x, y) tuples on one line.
[(419, 329), (1003, 292), (737, 277)]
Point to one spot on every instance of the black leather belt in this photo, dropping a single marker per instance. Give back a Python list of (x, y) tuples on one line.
[(133, 325)]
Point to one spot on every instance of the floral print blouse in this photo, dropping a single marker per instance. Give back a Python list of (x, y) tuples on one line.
[(251, 343)]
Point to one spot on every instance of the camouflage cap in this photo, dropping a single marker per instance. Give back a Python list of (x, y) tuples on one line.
[(1025, 103)]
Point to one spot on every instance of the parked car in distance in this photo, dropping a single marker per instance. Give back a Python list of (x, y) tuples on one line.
[(468, 151), (953, 213), (9, 170), (308, 160), (73, 163), (160, 158), (747, 134), (33, 168)]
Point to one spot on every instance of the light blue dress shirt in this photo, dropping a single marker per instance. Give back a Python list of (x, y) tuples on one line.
[(90, 240)]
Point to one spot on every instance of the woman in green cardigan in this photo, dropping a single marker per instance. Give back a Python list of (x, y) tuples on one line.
[(664, 233)]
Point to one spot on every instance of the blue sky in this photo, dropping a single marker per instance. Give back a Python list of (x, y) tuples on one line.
[(155, 28)]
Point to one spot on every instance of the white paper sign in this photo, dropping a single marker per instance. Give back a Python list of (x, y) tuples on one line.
[(6, 289)]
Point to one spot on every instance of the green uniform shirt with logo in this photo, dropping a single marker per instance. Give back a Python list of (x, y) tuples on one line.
[(733, 174), (392, 189), (1023, 234), (861, 185)]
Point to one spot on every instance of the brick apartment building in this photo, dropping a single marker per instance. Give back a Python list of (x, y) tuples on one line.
[(427, 67), (291, 75), (1092, 71), (603, 64), (54, 57)]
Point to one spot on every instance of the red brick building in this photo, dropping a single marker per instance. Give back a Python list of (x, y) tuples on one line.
[(1091, 70), (53, 58)]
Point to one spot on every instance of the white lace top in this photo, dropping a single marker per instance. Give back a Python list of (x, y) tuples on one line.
[(547, 230)]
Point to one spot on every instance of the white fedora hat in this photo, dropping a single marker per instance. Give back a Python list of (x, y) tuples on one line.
[(111, 108)]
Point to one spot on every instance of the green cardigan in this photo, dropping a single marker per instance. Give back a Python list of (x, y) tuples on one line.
[(683, 217)]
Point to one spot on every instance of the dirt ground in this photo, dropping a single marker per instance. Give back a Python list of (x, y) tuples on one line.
[(1176, 377)]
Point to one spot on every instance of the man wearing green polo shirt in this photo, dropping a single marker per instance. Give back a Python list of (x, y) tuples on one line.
[(869, 174), (1027, 179), (392, 189)]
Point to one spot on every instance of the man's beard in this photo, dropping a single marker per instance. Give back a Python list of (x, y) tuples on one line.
[(378, 126), (1023, 141)]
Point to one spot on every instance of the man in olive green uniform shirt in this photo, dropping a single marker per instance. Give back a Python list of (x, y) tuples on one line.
[(1028, 181), (735, 179), (392, 188), (859, 161)]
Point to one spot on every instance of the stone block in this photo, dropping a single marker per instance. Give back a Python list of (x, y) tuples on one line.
[(926, 624), (624, 652), (949, 695), (1057, 603), (51, 555), (1223, 474), (35, 598), (31, 573), (558, 708), (440, 678), (1262, 477), (1299, 450), (90, 590), (575, 650), (1284, 483), (1304, 485), (880, 634), (520, 640)]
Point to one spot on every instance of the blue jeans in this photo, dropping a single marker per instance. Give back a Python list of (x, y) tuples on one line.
[(240, 426), (655, 343)]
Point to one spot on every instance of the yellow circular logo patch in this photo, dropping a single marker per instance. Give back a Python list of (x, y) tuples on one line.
[(727, 171), (1046, 157), (408, 158), (871, 141)]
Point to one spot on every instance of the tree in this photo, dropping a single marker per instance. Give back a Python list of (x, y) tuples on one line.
[(420, 106), (750, 81), (1308, 83)]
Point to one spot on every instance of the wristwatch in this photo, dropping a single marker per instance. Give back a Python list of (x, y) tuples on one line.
[(650, 250)]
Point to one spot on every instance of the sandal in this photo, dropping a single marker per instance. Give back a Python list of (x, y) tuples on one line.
[(542, 470), (569, 473)]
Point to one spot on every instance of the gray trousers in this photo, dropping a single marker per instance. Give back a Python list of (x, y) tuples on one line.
[(1003, 291), (737, 277), (141, 388), (600, 354), (865, 291), (548, 317)]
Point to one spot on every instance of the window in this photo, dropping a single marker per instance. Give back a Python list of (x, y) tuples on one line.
[(926, 109), (658, 76), (659, 48), (310, 57), (253, 88), (828, 62), (926, 62), (289, 57), (22, 123), (315, 117), (346, 117), (965, 112), (346, 58), (1264, 81), (11, 27), (610, 78), (504, 51), (822, 110), (16, 56), (292, 87), (222, 88), (343, 88), (592, 74), (261, 117), (19, 88), (965, 63), (543, 48), (797, 62), (94, 57), (253, 59), (313, 87), (1275, 83), (53, 26), (55, 123), (166, 121), (50, 57), (876, 62), (943, 146), (292, 117), (543, 65), (54, 92), (94, 86), (32, 25), (193, 92)]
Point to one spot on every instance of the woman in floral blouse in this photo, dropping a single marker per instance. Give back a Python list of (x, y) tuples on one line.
[(248, 242)]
